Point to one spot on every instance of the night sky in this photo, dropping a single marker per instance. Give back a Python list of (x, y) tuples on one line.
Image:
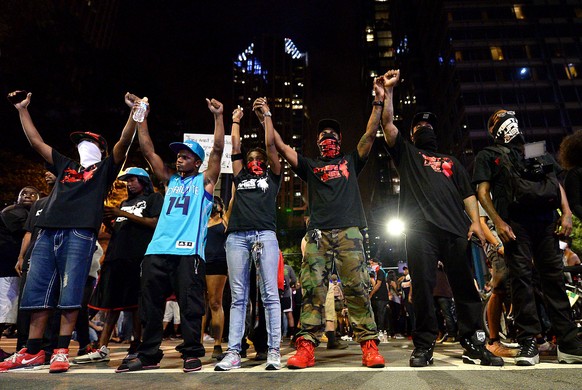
[(174, 52)]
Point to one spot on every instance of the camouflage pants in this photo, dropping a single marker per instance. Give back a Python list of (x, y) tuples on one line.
[(345, 247)]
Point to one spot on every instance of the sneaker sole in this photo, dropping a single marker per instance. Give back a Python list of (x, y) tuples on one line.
[(272, 367), (91, 361), (566, 358), (59, 370), (26, 368), (418, 363), (187, 370), (293, 367), (524, 361), (218, 368)]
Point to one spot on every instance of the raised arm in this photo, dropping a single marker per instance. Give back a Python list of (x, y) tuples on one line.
[(286, 151), (122, 146), (162, 172), (269, 136), (214, 160), (367, 140), (36, 141), (237, 115), (390, 79)]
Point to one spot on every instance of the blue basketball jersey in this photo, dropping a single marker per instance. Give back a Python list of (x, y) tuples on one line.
[(181, 228)]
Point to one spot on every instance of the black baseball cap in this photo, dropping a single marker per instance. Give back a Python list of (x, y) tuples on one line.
[(79, 136), (329, 124), (423, 117)]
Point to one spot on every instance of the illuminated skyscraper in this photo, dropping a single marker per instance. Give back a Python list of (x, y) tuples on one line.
[(274, 67)]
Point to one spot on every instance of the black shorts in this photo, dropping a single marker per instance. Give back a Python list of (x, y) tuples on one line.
[(286, 304), (118, 285), (217, 267)]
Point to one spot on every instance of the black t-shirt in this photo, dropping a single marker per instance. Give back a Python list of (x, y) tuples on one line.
[(215, 244), (334, 194), (432, 187), (77, 198), (489, 167), (573, 187), (12, 220), (130, 240), (255, 202), (30, 226), (382, 293)]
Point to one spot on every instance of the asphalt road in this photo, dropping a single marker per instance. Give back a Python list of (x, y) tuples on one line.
[(333, 370)]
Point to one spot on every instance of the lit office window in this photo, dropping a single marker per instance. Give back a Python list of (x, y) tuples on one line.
[(571, 72), (496, 53), (369, 35), (518, 11), (458, 56)]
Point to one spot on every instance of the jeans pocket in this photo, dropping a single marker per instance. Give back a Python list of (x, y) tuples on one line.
[(84, 234)]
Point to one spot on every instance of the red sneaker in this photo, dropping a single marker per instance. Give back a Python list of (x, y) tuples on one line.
[(60, 360), (22, 359), (305, 356), (370, 355)]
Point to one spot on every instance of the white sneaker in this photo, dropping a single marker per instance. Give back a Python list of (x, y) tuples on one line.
[(99, 355), (230, 361), (208, 338), (273, 360)]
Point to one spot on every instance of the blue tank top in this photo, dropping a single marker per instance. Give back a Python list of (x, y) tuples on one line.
[(181, 228)]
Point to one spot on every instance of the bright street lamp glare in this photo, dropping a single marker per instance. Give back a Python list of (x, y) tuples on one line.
[(395, 227)]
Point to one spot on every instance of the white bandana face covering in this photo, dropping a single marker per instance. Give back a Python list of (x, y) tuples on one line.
[(89, 153)]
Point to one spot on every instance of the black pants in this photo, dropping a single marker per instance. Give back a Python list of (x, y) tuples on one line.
[(425, 245), (381, 313), (536, 241), (162, 275)]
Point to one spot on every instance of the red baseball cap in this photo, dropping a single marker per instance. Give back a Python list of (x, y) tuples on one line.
[(78, 136)]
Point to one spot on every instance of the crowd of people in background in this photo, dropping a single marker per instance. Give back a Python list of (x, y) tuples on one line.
[(215, 272)]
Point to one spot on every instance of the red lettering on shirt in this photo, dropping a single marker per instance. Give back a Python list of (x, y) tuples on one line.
[(72, 176), (442, 165), (330, 172)]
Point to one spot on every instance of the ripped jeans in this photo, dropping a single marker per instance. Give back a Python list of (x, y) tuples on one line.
[(59, 266), (262, 247)]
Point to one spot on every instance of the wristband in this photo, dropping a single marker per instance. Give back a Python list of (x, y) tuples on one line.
[(378, 103), (235, 123), (235, 157), (268, 113)]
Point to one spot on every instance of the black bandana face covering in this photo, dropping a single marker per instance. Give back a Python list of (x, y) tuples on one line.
[(424, 138), (329, 146), (506, 129)]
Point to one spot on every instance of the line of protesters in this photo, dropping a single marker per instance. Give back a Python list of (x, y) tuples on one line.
[(437, 199)]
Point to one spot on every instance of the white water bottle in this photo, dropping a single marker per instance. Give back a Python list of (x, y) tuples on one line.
[(139, 113)]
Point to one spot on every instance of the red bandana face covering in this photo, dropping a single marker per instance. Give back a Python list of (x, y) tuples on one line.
[(329, 146), (257, 167)]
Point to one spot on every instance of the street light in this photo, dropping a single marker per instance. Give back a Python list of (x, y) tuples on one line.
[(395, 227)]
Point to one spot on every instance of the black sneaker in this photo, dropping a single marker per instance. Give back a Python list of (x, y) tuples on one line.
[(217, 352), (528, 354), (192, 364), (475, 351), (570, 353), (421, 357), (137, 364)]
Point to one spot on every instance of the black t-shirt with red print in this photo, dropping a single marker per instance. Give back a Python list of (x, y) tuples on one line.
[(432, 188), (77, 198), (334, 195)]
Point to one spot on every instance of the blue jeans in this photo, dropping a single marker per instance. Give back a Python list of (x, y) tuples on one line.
[(260, 246), (60, 260)]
